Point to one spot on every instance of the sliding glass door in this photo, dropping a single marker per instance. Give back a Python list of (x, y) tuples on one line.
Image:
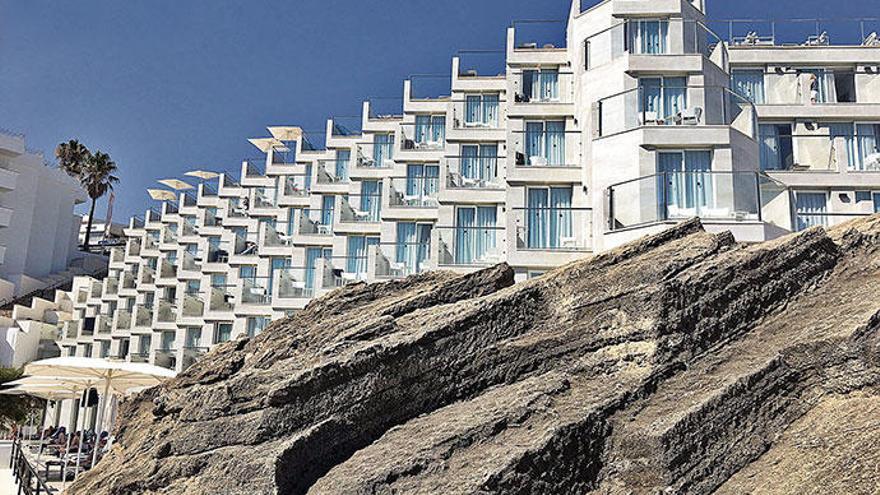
[(548, 218)]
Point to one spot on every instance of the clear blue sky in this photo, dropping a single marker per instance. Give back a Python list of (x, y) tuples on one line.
[(168, 85)]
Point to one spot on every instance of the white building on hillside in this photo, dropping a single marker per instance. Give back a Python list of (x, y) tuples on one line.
[(647, 117), (38, 239)]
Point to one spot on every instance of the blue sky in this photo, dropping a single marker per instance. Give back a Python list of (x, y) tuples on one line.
[(165, 86)]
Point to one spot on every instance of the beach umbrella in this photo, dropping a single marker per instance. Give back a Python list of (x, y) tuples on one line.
[(118, 377), (202, 174), (176, 184), (162, 194)]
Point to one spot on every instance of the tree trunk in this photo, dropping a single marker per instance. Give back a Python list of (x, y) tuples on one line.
[(89, 226)]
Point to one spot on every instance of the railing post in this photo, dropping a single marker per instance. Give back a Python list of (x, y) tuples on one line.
[(760, 202)]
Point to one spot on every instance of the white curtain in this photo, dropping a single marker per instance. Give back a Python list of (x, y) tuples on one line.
[(811, 209), (749, 84), (769, 142), (867, 145)]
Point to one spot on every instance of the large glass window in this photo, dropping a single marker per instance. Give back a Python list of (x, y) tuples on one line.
[(685, 184), (541, 85), (843, 134), (479, 162), (358, 252), (662, 98), (328, 205), (777, 152), (383, 150), (481, 110), (812, 209), (868, 138), (371, 199), (422, 181), (413, 245), (475, 235), (430, 130), (548, 218), (343, 158), (648, 37), (256, 324), (545, 143), (222, 333), (749, 84)]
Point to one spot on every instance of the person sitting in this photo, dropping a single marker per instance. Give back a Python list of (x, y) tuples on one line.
[(74, 444)]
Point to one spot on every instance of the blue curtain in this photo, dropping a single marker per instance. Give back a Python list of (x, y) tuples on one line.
[(486, 239), (538, 214), (473, 111), (844, 132), (465, 224), (555, 147), (438, 129), (415, 180), (531, 84), (358, 250), (423, 128), (867, 143), (810, 210), (534, 140), (549, 85), (488, 162), (769, 142), (490, 110), (648, 37), (343, 157), (277, 264), (650, 98), (312, 256), (371, 199), (470, 167), (701, 191), (749, 84), (413, 245), (328, 204), (561, 213), (876, 202), (670, 182), (383, 149), (674, 96)]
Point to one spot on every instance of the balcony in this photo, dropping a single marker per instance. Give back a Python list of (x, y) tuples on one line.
[(140, 357), (193, 353), (193, 306), (650, 42), (375, 155), (544, 228), (220, 299), (426, 137), (806, 33), (687, 109), (316, 222), (482, 111), (542, 88), (473, 172), (414, 192), (399, 260), (102, 325), (265, 197), (166, 357), (122, 320), (295, 283), (255, 291), (148, 275), (167, 312), (297, 186), (143, 317), (8, 179), (333, 171), (470, 245), (360, 208), (676, 196), (255, 167)]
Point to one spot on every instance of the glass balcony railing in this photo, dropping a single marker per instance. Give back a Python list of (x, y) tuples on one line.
[(361, 208), (473, 172), (295, 283), (255, 290), (478, 111), (470, 246), (543, 86), (166, 312), (334, 171), (544, 228), (548, 148), (220, 298), (802, 32), (398, 260), (654, 37), (430, 136), (255, 167), (673, 196), (193, 305), (316, 222), (414, 192), (297, 186), (666, 105)]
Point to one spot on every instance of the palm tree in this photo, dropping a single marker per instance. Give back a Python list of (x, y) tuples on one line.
[(72, 157), (97, 179), (93, 171)]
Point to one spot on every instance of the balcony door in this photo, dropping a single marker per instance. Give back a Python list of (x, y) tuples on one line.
[(662, 98), (685, 184), (548, 218), (475, 234), (647, 37), (413, 245), (811, 210), (358, 253)]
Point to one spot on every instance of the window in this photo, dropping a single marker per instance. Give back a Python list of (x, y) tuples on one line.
[(430, 130), (167, 341), (313, 254), (475, 235), (144, 342), (284, 154), (343, 158), (123, 348), (413, 245), (422, 181), (845, 87), (545, 144), (358, 252), (548, 218), (685, 185), (823, 86), (876, 202), (749, 84), (868, 139), (328, 206), (481, 110), (277, 264), (661, 98), (843, 134), (540, 85), (812, 210), (647, 37), (479, 163), (193, 338), (222, 333), (105, 349), (255, 325), (383, 150), (777, 151), (371, 199), (87, 350), (863, 196)]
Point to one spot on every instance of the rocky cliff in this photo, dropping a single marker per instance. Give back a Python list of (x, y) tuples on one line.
[(682, 363)]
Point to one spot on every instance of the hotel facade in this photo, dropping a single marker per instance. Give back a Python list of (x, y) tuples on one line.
[(651, 114)]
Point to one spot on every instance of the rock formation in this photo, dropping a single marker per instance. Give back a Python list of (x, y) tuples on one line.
[(681, 363)]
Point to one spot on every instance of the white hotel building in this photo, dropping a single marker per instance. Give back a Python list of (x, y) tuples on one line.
[(646, 117)]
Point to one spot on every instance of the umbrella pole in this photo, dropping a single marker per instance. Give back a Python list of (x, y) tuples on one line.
[(80, 447), (42, 430), (102, 403), (66, 452)]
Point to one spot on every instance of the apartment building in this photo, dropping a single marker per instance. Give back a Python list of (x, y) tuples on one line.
[(645, 118)]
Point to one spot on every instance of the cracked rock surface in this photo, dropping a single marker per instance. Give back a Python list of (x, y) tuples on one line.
[(681, 363)]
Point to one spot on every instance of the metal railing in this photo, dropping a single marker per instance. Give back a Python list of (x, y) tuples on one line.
[(332, 171), (24, 474), (316, 222), (673, 196), (803, 32), (402, 259), (668, 105), (478, 111), (654, 37)]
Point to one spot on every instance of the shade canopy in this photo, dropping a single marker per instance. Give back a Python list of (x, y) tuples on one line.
[(118, 376), (176, 184), (162, 194), (46, 391), (202, 174)]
